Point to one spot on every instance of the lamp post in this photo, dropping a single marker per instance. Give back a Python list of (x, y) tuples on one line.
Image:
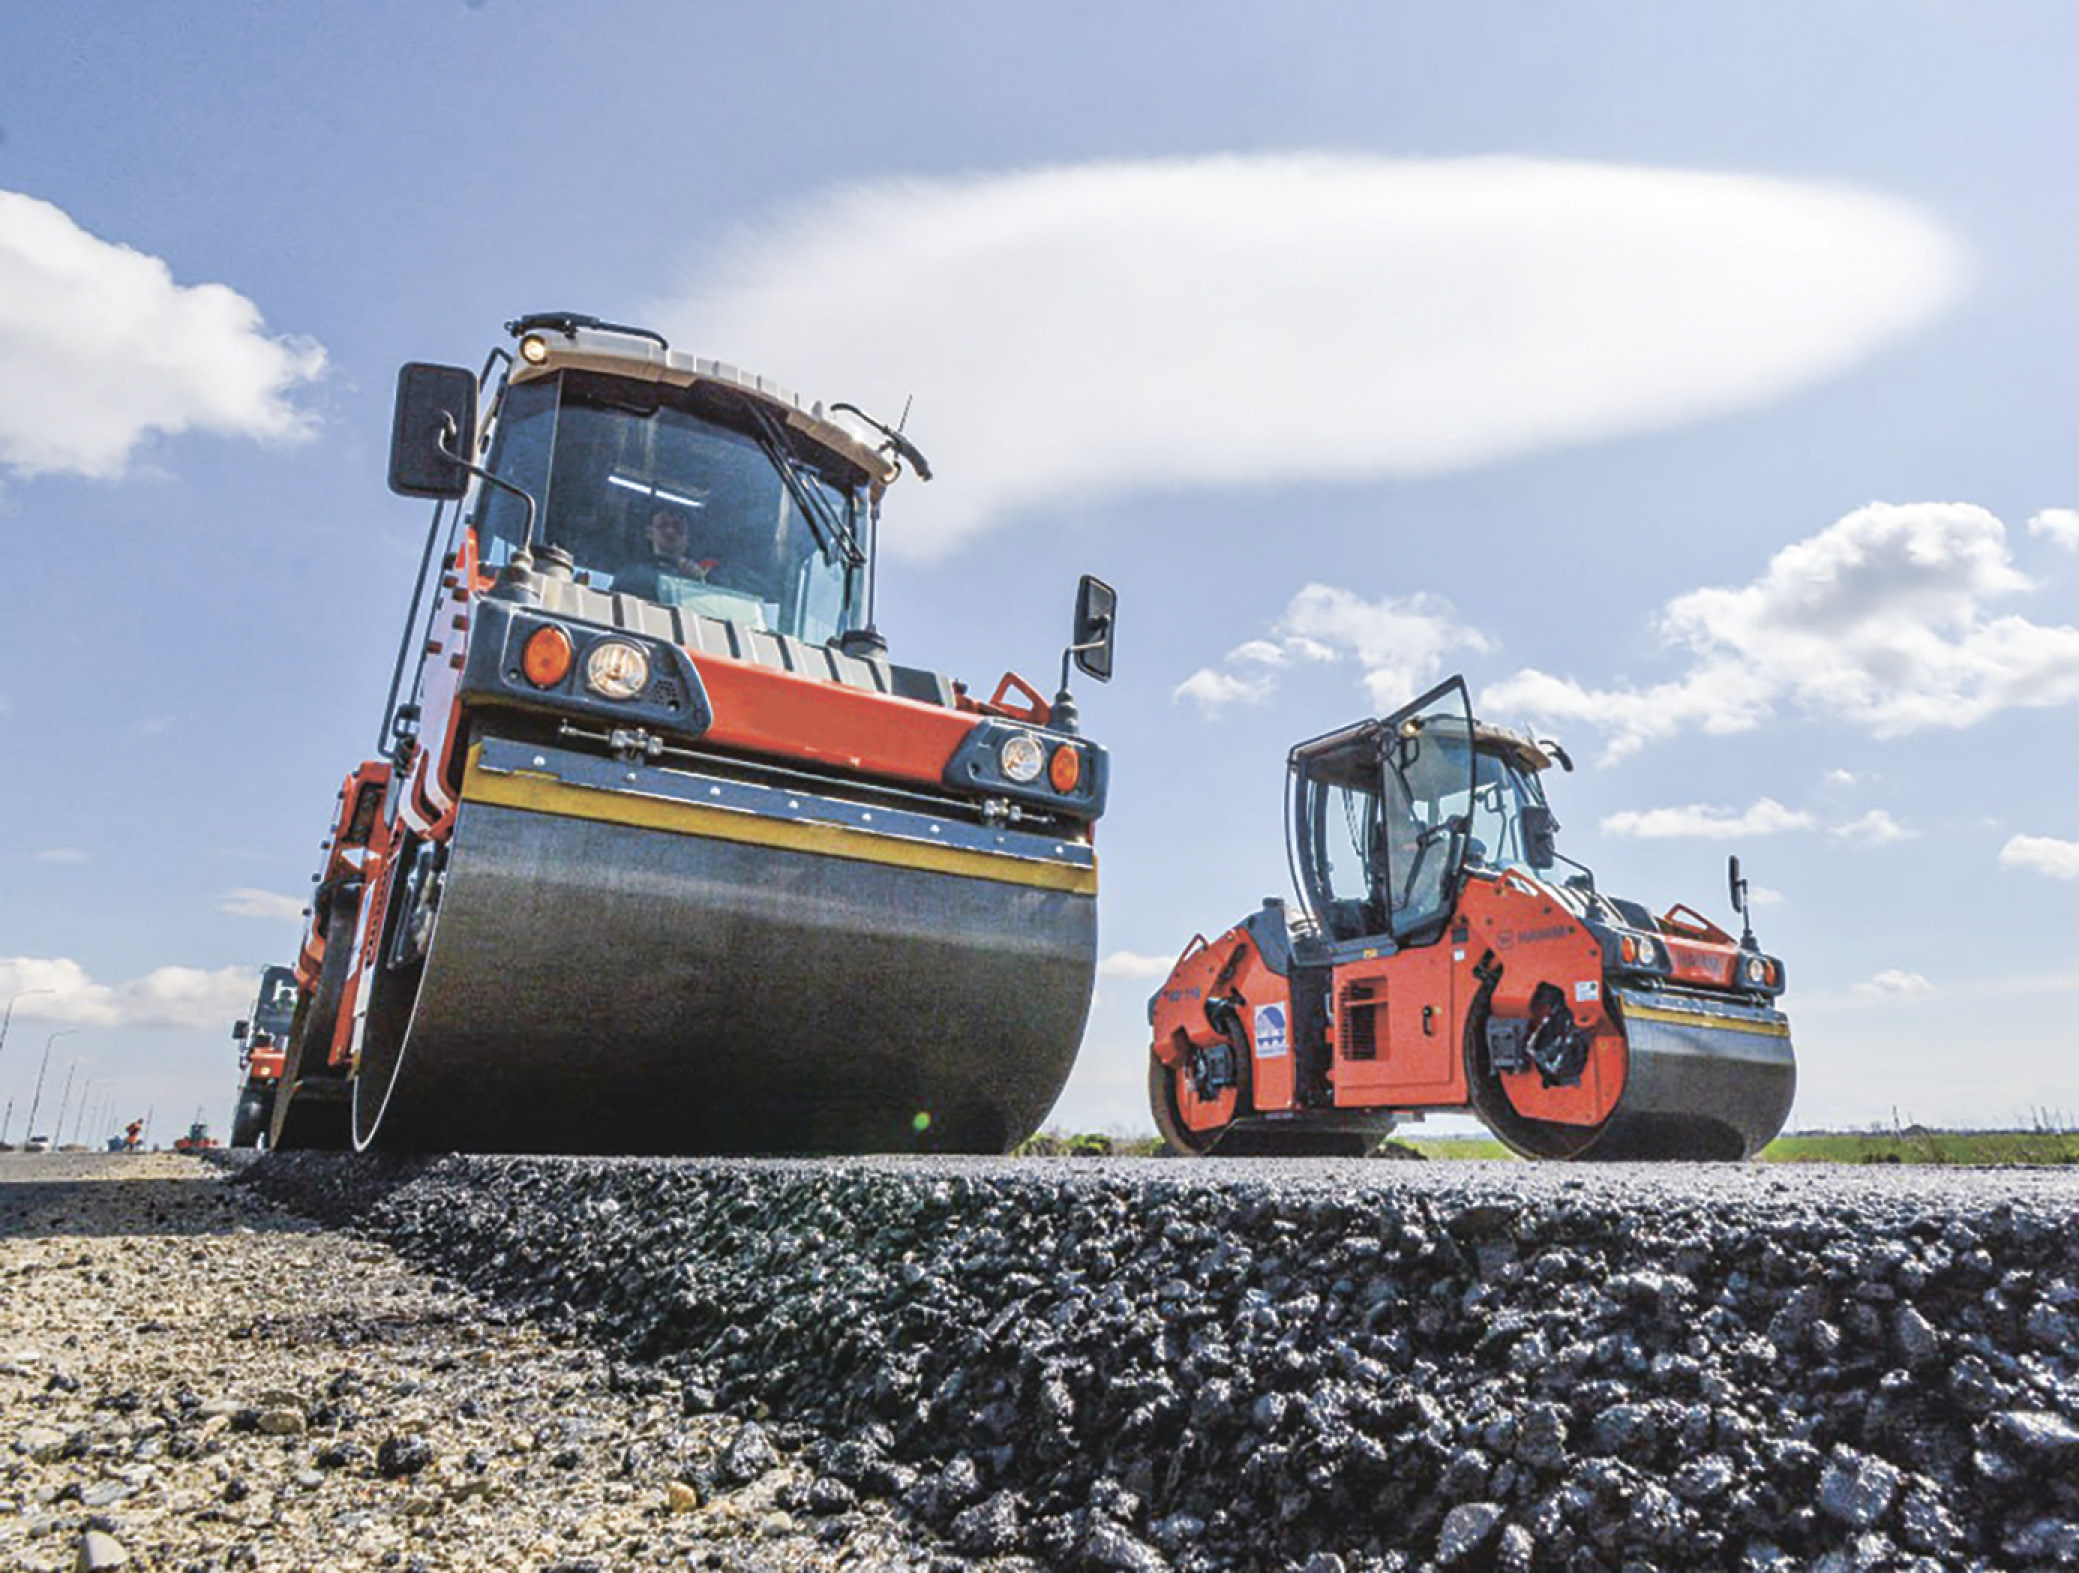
[(79, 1120), (36, 1102), (8, 1019), (64, 1103)]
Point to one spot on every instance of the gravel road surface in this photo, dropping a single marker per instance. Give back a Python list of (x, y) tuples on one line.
[(1079, 1364), (192, 1378)]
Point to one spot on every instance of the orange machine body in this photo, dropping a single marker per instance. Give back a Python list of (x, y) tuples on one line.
[(759, 700), (1394, 1035), (1462, 977)]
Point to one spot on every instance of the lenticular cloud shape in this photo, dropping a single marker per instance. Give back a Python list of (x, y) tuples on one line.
[(1085, 331)]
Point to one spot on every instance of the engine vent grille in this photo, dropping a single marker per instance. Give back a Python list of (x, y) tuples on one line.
[(1360, 1015)]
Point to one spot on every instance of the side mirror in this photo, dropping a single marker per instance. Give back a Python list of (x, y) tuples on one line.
[(1097, 606), (1540, 835), (431, 434), (1740, 901)]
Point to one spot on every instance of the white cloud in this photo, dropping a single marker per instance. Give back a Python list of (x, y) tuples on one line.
[(1765, 817), (1881, 621), (2042, 855), (2059, 524), (1132, 964), (1122, 327), (1763, 896), (246, 902), (1874, 829), (1215, 691), (63, 855), (100, 348), (57, 989), (1842, 778), (1896, 984), (1701, 821), (1397, 643)]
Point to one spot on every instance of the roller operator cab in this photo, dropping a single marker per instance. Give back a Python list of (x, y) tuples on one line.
[(661, 852), (262, 1037), (1446, 957)]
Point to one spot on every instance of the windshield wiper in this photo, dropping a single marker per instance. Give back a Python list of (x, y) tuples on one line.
[(830, 531)]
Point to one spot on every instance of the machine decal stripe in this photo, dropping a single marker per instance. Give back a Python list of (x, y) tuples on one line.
[(1686, 1018), (544, 794)]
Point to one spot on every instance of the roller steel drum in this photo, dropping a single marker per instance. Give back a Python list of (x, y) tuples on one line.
[(634, 959), (1705, 1079)]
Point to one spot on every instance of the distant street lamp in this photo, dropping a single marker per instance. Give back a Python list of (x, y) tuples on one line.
[(37, 1102), (64, 1103), (86, 1098), (9, 1017)]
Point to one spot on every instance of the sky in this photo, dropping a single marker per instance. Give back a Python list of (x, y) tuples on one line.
[(1699, 381)]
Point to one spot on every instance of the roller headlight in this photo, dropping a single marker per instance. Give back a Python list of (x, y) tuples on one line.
[(1638, 950), (534, 349), (1022, 758), (616, 669)]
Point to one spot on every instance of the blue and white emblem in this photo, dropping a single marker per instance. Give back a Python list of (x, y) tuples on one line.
[(1271, 1039)]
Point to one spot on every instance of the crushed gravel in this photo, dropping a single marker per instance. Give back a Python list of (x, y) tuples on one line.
[(191, 1378), (1318, 1366)]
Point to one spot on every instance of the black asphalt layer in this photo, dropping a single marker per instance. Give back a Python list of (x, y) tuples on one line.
[(1145, 1364)]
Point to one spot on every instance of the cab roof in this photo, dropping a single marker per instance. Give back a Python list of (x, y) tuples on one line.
[(574, 343)]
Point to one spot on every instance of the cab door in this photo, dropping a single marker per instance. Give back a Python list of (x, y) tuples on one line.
[(1396, 1021), (1426, 805)]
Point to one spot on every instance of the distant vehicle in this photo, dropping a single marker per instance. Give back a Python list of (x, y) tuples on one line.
[(38, 1144), (197, 1139)]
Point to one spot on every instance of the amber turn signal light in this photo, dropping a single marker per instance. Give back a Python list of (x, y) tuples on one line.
[(1065, 769), (546, 657)]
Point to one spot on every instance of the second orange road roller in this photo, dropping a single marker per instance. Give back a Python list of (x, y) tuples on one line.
[(1445, 957), (660, 851)]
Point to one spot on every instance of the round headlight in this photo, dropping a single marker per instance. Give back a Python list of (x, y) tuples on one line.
[(534, 349), (616, 669), (1021, 757), (1757, 970)]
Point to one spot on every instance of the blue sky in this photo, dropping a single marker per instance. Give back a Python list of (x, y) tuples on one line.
[(1699, 380)]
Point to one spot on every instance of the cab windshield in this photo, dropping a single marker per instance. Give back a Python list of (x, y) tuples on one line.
[(668, 494), (275, 1010), (1501, 792)]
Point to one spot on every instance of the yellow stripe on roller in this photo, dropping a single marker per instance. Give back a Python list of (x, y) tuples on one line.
[(1693, 1018), (545, 794)]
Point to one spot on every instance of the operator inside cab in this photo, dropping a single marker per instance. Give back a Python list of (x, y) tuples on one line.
[(685, 502)]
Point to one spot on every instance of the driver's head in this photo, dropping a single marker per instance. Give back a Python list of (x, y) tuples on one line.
[(668, 530)]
